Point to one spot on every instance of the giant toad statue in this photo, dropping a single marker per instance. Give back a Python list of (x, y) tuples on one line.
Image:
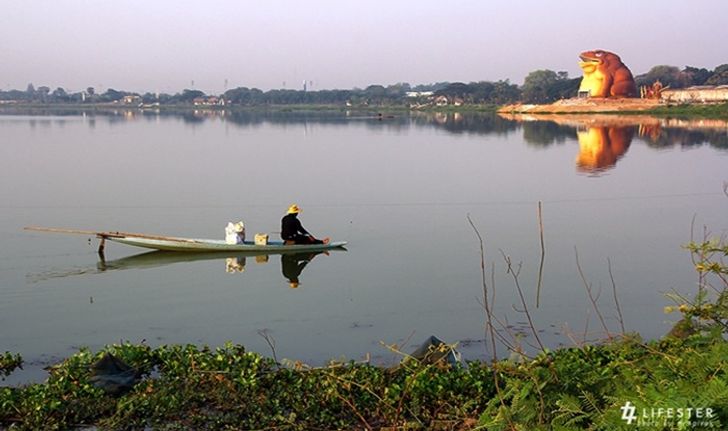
[(605, 75)]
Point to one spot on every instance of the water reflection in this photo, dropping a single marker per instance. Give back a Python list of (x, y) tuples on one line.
[(656, 132), (538, 130), (605, 139), (601, 146), (234, 264), (465, 122), (491, 167), (292, 264)]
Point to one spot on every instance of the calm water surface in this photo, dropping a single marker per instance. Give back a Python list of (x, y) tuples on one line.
[(398, 190)]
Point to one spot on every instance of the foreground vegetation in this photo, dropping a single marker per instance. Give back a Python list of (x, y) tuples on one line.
[(228, 388), (583, 387)]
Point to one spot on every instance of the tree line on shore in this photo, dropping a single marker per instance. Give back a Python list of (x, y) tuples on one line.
[(539, 86)]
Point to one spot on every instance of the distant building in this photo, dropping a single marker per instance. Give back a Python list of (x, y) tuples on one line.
[(413, 94), (441, 101), (208, 101), (698, 94), (131, 99)]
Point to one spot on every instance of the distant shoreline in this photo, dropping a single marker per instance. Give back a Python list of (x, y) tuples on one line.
[(567, 106)]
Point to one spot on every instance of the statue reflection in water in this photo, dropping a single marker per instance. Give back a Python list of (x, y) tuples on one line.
[(601, 146)]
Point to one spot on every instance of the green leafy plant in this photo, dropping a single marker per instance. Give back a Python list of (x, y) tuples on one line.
[(9, 362), (707, 311)]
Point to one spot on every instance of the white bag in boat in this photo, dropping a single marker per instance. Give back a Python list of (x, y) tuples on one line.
[(235, 233)]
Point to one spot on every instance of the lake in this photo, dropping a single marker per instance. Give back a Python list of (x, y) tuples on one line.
[(628, 191)]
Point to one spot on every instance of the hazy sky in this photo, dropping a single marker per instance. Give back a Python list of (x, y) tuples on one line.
[(161, 45)]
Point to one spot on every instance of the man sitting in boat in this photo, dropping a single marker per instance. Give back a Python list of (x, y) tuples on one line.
[(293, 232)]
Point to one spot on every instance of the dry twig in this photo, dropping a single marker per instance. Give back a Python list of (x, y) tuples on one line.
[(614, 293), (514, 274), (543, 256), (271, 343)]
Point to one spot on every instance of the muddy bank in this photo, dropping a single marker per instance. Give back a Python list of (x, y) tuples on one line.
[(584, 105)]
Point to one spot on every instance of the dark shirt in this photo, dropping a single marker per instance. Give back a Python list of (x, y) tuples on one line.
[(291, 227)]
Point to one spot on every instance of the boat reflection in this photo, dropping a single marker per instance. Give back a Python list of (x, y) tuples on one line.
[(292, 263)]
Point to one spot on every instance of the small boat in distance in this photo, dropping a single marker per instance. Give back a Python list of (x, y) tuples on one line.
[(169, 243)]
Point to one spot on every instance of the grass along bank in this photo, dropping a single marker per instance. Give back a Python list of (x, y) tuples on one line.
[(185, 387), (693, 110)]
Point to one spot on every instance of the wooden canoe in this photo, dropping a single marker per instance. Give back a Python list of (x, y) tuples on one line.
[(211, 245), (169, 243)]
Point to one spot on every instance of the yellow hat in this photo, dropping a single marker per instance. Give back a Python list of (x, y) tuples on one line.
[(293, 209)]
